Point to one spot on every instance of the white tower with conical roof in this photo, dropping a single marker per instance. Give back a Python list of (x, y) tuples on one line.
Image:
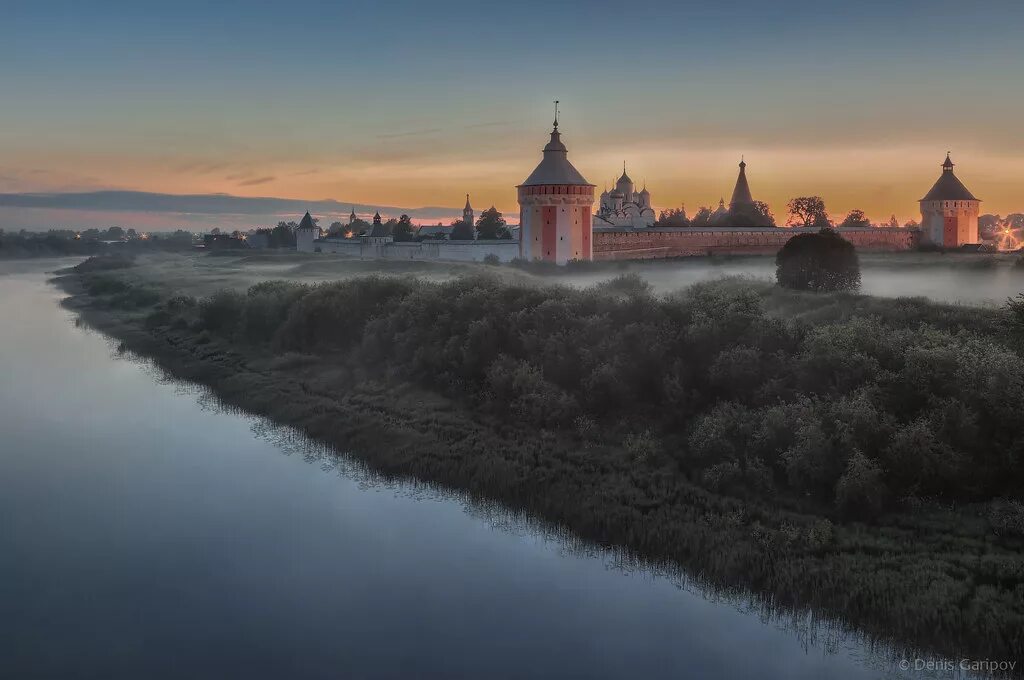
[(949, 211), (555, 206)]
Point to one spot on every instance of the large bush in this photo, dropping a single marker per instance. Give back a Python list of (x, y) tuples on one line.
[(851, 410), (820, 262)]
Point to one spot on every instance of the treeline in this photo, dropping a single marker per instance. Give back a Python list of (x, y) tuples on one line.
[(61, 242), (852, 405)]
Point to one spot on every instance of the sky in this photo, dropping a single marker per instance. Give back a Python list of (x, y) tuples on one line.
[(412, 104)]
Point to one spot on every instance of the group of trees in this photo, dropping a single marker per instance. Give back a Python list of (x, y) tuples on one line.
[(803, 211), (757, 215), (490, 225), (55, 242), (853, 410)]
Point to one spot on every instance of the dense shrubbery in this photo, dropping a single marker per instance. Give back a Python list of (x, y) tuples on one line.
[(854, 413), (103, 263), (820, 262)]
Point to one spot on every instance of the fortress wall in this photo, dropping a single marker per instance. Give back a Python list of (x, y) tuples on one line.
[(686, 242), (454, 251)]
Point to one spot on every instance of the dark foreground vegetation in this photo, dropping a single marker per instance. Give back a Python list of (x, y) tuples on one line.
[(858, 455)]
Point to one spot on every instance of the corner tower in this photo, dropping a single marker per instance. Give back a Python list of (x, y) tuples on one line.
[(555, 206), (949, 211)]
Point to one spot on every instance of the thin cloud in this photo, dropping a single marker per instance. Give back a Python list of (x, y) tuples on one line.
[(414, 133), (254, 182), (494, 123)]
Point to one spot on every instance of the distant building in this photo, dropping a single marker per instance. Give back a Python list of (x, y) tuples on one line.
[(380, 233), (222, 242), (741, 201), (949, 211), (306, 233), (624, 207), (555, 208), (467, 212), (258, 239), (721, 213), (436, 232)]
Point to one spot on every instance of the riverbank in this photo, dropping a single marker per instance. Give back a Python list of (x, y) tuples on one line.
[(355, 365)]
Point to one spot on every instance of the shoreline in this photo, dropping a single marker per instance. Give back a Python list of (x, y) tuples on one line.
[(789, 560)]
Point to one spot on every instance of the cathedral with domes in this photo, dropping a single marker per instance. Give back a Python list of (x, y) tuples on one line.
[(623, 206)]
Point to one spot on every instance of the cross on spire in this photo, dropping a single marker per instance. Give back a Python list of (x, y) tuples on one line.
[(556, 113)]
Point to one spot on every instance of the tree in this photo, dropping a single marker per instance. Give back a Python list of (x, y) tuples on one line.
[(911, 224), (856, 218), (491, 225), (808, 211), (893, 222), (702, 218), (114, 234), (757, 214), (359, 227), (336, 229), (404, 229), (673, 217), (462, 231), (764, 213), (283, 235), (824, 261)]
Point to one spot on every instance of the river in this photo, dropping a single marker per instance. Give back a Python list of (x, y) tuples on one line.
[(146, 533)]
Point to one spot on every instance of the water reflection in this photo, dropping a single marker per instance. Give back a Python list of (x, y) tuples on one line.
[(810, 631), (149, 530)]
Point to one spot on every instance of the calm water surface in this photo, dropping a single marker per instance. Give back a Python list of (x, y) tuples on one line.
[(144, 534)]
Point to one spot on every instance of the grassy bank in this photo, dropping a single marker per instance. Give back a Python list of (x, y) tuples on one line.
[(857, 455)]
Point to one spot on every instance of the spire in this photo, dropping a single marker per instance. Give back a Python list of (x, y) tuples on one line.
[(947, 166), (468, 206), (741, 194), (555, 167)]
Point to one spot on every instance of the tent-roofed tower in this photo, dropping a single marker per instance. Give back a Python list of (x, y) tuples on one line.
[(741, 197), (555, 206), (949, 211), (306, 234)]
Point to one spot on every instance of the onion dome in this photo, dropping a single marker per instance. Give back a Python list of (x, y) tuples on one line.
[(948, 187)]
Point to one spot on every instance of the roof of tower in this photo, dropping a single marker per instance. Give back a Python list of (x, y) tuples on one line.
[(555, 167), (307, 222), (625, 177), (741, 194), (948, 187), (468, 206)]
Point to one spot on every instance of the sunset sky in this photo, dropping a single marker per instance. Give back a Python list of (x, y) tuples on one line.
[(414, 104)]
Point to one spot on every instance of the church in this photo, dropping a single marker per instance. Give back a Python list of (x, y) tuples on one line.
[(625, 207)]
